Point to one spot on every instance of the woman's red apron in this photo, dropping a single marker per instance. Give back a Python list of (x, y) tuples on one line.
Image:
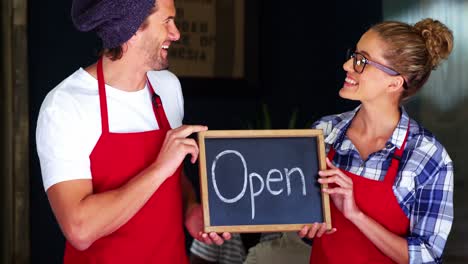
[(377, 200), (154, 234)]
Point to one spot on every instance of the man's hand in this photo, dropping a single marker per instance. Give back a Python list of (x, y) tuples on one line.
[(175, 147), (194, 224)]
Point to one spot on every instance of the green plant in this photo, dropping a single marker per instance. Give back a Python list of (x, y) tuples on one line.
[(264, 120)]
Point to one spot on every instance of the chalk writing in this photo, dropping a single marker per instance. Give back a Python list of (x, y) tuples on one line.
[(248, 181)]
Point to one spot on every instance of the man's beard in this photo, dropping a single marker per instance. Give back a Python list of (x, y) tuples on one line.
[(159, 63), (164, 65)]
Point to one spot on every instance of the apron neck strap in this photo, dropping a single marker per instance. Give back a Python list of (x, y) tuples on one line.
[(158, 108), (156, 102), (102, 97), (396, 159)]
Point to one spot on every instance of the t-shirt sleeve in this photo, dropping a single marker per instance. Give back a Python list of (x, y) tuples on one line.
[(59, 139)]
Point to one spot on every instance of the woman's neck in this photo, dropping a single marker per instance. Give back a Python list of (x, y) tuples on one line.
[(376, 121), (372, 127)]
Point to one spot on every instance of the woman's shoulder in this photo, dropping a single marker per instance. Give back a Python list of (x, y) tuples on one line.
[(426, 151), (422, 139), (329, 122)]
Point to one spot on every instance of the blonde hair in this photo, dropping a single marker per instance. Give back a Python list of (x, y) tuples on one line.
[(414, 51)]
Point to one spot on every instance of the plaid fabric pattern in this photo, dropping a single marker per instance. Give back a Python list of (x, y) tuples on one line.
[(423, 186)]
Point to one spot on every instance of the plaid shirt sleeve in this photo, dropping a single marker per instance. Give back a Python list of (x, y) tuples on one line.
[(431, 213)]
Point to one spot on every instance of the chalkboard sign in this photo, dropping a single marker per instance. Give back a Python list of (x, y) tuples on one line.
[(262, 180)]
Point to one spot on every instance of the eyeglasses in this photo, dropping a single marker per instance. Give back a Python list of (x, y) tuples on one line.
[(360, 62)]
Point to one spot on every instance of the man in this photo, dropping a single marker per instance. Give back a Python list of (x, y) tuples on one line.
[(110, 158)]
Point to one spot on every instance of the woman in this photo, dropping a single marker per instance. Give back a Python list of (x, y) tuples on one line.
[(390, 180)]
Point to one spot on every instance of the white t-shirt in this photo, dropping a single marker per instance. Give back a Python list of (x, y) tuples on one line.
[(69, 123)]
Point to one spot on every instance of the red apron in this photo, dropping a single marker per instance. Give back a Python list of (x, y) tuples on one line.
[(377, 200), (155, 233)]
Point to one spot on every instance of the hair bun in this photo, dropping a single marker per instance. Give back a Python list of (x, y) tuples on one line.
[(438, 37)]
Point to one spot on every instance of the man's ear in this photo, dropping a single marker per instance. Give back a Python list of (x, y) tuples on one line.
[(133, 39)]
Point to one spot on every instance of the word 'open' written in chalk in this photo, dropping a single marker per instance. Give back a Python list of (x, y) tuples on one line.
[(248, 180)]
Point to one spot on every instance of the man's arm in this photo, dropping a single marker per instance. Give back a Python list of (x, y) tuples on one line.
[(194, 221), (188, 193), (85, 217)]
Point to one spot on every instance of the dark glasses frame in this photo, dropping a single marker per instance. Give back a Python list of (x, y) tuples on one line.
[(352, 54)]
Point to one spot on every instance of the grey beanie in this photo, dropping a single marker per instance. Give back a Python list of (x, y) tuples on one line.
[(114, 21)]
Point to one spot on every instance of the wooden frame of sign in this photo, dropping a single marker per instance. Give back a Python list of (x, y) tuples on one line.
[(210, 224)]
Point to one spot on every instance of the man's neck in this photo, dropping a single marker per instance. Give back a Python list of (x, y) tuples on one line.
[(123, 74)]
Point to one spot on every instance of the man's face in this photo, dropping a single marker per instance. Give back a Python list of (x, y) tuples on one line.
[(158, 35)]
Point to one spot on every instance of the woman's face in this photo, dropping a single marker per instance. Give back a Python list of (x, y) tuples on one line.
[(372, 83)]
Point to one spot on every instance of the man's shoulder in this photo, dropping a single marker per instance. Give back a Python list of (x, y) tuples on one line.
[(73, 92), (78, 83), (165, 83), (163, 76)]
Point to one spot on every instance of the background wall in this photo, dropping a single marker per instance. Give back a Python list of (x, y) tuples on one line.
[(14, 145), (55, 51), (294, 56), (442, 105)]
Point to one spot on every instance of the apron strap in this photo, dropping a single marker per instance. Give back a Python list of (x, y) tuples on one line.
[(396, 159), (102, 97), (156, 99), (158, 109), (331, 153)]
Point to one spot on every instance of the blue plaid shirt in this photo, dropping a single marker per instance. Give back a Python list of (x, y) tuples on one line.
[(423, 186)]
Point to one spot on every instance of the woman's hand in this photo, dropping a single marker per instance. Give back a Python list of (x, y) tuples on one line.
[(342, 194), (316, 230)]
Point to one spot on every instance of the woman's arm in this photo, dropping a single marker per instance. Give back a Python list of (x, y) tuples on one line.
[(431, 213), (390, 244)]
